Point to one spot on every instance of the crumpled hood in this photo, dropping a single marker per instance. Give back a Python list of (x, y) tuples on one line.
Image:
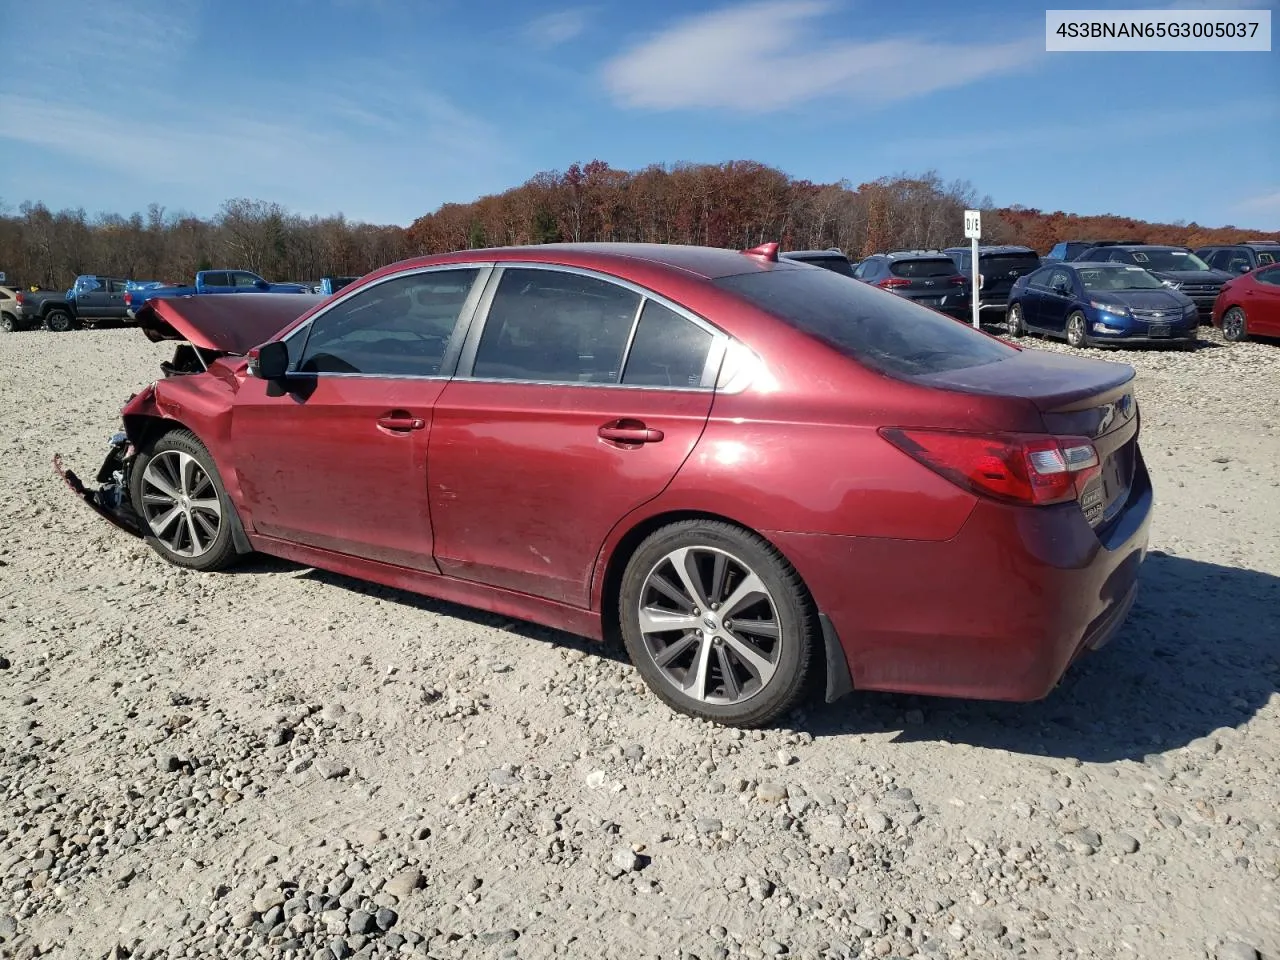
[(227, 324)]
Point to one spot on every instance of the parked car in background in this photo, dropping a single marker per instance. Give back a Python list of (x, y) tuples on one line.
[(926, 277), (1070, 249), (1249, 305), (833, 259), (1101, 303), (753, 468), (1241, 257), (9, 321), (998, 268), (330, 285), (1178, 265), (212, 281), (91, 300)]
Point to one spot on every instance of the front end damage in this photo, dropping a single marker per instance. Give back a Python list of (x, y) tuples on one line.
[(111, 499)]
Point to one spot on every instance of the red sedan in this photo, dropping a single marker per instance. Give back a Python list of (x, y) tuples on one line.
[(766, 475), (1249, 305)]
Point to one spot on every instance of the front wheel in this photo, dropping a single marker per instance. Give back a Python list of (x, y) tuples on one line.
[(1076, 327), (718, 623), (1234, 326), (1013, 321), (8, 323), (185, 511)]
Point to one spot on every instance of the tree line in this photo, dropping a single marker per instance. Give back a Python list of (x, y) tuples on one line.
[(737, 204)]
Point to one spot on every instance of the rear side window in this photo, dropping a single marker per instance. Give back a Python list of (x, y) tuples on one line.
[(882, 331), (1266, 258), (941, 267), (216, 280), (668, 350), (1269, 276)]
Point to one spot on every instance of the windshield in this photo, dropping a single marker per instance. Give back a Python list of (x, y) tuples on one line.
[(1119, 278), (1168, 260), (941, 267), (882, 331)]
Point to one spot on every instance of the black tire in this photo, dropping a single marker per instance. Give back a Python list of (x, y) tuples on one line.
[(8, 323), (1235, 325), (1077, 330), (1013, 321), (746, 700), (58, 320), (218, 551)]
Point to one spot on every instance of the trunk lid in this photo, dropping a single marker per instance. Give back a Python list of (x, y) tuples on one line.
[(227, 325), (1075, 397)]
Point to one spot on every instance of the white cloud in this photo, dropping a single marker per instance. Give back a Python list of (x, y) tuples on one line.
[(557, 27), (1263, 203), (772, 54)]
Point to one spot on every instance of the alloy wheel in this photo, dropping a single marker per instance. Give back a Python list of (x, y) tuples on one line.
[(180, 503), (1233, 327), (710, 625), (1076, 330), (1013, 321)]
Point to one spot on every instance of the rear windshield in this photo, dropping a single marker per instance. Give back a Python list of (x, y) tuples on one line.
[(941, 267), (882, 331), (834, 263), (1005, 264), (1168, 260)]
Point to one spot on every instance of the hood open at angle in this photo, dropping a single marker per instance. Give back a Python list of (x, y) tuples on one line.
[(226, 323)]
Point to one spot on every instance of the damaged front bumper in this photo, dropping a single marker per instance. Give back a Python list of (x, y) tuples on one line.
[(111, 499)]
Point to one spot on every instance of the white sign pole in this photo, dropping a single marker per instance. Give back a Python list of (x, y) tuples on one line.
[(973, 231)]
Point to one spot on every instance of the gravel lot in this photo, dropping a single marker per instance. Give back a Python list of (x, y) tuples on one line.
[(284, 762)]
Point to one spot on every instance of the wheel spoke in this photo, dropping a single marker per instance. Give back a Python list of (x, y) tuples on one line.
[(673, 650), (207, 506), (161, 483), (750, 588), (683, 561), (160, 524), (732, 690), (196, 546), (696, 681), (759, 628), (719, 571), (189, 470), (751, 658), (657, 620), (670, 591)]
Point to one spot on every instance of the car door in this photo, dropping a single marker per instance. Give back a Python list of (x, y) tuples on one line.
[(115, 299), (1032, 296), (576, 401), (91, 297), (1262, 302), (1056, 300), (337, 457)]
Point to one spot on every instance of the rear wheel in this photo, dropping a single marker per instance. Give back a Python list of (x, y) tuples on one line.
[(1013, 321), (59, 321), (1076, 327), (8, 323), (1234, 325), (718, 623), (176, 490)]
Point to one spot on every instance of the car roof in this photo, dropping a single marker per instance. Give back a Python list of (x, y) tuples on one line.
[(1146, 246), (814, 254), (710, 263), (994, 248)]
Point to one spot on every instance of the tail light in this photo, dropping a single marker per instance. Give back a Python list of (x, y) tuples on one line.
[(889, 283), (1018, 468), (957, 281), (128, 299), (19, 297)]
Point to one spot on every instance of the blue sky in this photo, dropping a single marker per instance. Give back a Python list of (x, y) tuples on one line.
[(383, 109)]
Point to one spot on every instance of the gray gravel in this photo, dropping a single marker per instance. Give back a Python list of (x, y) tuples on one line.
[(280, 762)]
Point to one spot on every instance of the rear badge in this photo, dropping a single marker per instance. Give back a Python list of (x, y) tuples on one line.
[(1092, 505)]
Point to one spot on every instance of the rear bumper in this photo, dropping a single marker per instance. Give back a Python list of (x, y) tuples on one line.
[(998, 612)]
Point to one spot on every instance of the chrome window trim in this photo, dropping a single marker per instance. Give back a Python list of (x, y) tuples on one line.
[(711, 367), (461, 327)]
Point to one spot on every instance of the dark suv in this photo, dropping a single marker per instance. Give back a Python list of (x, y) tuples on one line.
[(1177, 266), (833, 259), (1070, 249), (998, 268), (1241, 257), (928, 277)]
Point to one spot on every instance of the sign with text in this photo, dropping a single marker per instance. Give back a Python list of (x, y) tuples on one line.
[(972, 225)]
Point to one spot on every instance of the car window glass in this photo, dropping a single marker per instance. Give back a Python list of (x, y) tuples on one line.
[(862, 269), (882, 331), (115, 286), (935, 267), (1040, 278), (90, 285), (400, 327), (1265, 258), (1237, 259), (668, 350), (1060, 278), (555, 326), (215, 280), (1270, 276), (243, 279)]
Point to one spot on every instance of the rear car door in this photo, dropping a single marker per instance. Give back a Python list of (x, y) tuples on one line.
[(91, 297), (577, 399), (1032, 299), (1262, 302), (337, 459), (115, 298), (1055, 304)]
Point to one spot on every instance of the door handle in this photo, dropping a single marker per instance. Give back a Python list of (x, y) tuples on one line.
[(629, 431), (401, 423)]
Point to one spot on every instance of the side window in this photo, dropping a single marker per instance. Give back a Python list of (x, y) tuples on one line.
[(1236, 259), (216, 280), (1059, 252), (1266, 258), (1040, 278), (116, 286), (554, 326), (1060, 277), (242, 280), (1269, 276), (860, 273), (400, 327), (89, 285), (668, 350)]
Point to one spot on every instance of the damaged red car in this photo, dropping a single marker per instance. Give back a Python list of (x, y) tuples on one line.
[(773, 481)]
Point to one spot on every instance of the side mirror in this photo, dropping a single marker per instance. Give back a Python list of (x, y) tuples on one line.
[(1243, 268), (269, 361)]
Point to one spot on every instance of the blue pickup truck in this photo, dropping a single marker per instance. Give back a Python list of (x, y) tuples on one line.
[(211, 281)]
